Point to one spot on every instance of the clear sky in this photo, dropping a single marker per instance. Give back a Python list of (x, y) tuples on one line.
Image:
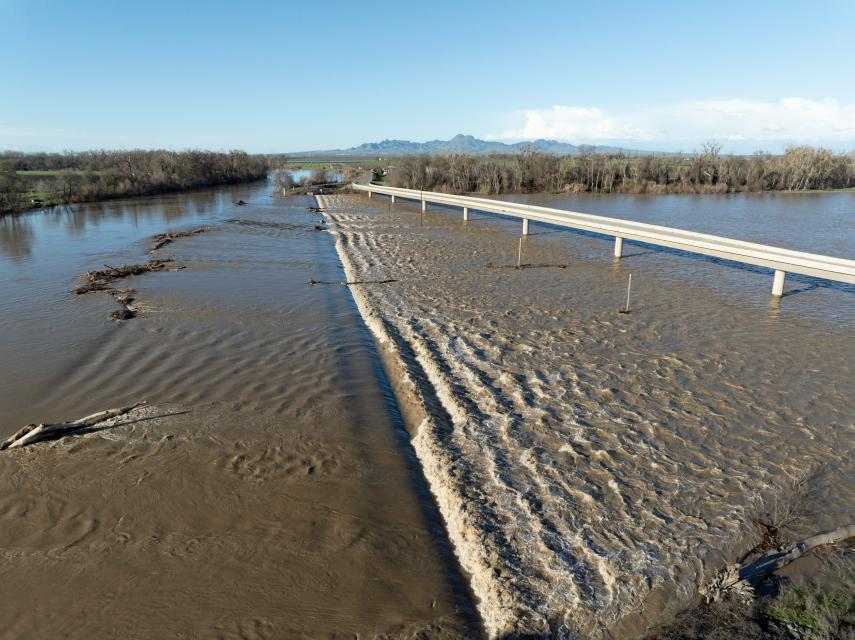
[(281, 76)]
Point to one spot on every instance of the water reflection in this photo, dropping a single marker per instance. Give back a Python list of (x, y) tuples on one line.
[(16, 236), (20, 233)]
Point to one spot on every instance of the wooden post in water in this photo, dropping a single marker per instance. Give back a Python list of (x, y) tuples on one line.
[(618, 247), (525, 226), (778, 283), (628, 289)]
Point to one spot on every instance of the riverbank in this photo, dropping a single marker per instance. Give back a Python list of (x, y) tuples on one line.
[(594, 469), (39, 180), (267, 490), (46, 202)]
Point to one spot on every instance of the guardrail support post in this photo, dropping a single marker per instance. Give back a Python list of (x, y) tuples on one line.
[(778, 283), (424, 205), (618, 247), (393, 199), (466, 213), (369, 194), (525, 226)]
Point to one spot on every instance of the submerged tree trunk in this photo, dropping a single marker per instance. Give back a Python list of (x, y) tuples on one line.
[(740, 580), (38, 432)]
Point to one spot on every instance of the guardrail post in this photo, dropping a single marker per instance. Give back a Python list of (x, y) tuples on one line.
[(778, 283), (393, 199), (787, 261)]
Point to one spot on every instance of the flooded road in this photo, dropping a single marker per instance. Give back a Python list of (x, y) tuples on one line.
[(594, 468), (816, 222), (590, 468), (268, 491)]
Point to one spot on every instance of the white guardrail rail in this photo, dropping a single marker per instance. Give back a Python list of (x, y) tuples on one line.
[(783, 261)]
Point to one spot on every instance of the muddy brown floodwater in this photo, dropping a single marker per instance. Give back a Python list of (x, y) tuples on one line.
[(443, 447), (594, 468), (268, 491)]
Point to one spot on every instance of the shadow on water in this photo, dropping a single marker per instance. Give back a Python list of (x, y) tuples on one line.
[(637, 254), (99, 428), (125, 423)]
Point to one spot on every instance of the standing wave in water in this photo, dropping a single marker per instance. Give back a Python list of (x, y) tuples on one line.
[(593, 468)]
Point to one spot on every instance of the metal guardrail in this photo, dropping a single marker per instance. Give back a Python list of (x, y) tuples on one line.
[(783, 261)]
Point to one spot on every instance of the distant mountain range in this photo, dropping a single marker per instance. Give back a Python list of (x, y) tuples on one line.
[(458, 144)]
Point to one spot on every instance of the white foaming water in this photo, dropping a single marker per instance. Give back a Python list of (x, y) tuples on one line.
[(591, 467)]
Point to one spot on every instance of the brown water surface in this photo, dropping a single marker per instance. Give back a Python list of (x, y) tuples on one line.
[(594, 468), (269, 490)]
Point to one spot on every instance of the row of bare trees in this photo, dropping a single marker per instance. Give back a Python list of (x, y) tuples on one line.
[(99, 175), (799, 168)]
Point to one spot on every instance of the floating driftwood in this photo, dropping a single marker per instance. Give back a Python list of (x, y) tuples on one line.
[(530, 265), (241, 203), (163, 239), (37, 432), (103, 280), (125, 313), (740, 580), (316, 209), (125, 296), (343, 283)]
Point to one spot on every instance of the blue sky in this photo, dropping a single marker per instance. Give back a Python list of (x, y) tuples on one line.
[(279, 76)]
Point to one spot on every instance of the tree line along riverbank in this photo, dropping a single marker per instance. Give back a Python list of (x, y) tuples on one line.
[(708, 171), (33, 180)]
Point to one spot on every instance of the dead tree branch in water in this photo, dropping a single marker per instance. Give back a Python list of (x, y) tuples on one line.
[(779, 517), (163, 239), (37, 432), (103, 280), (343, 283), (740, 581), (527, 265)]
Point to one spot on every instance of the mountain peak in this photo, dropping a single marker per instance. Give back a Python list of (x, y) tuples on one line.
[(460, 143)]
